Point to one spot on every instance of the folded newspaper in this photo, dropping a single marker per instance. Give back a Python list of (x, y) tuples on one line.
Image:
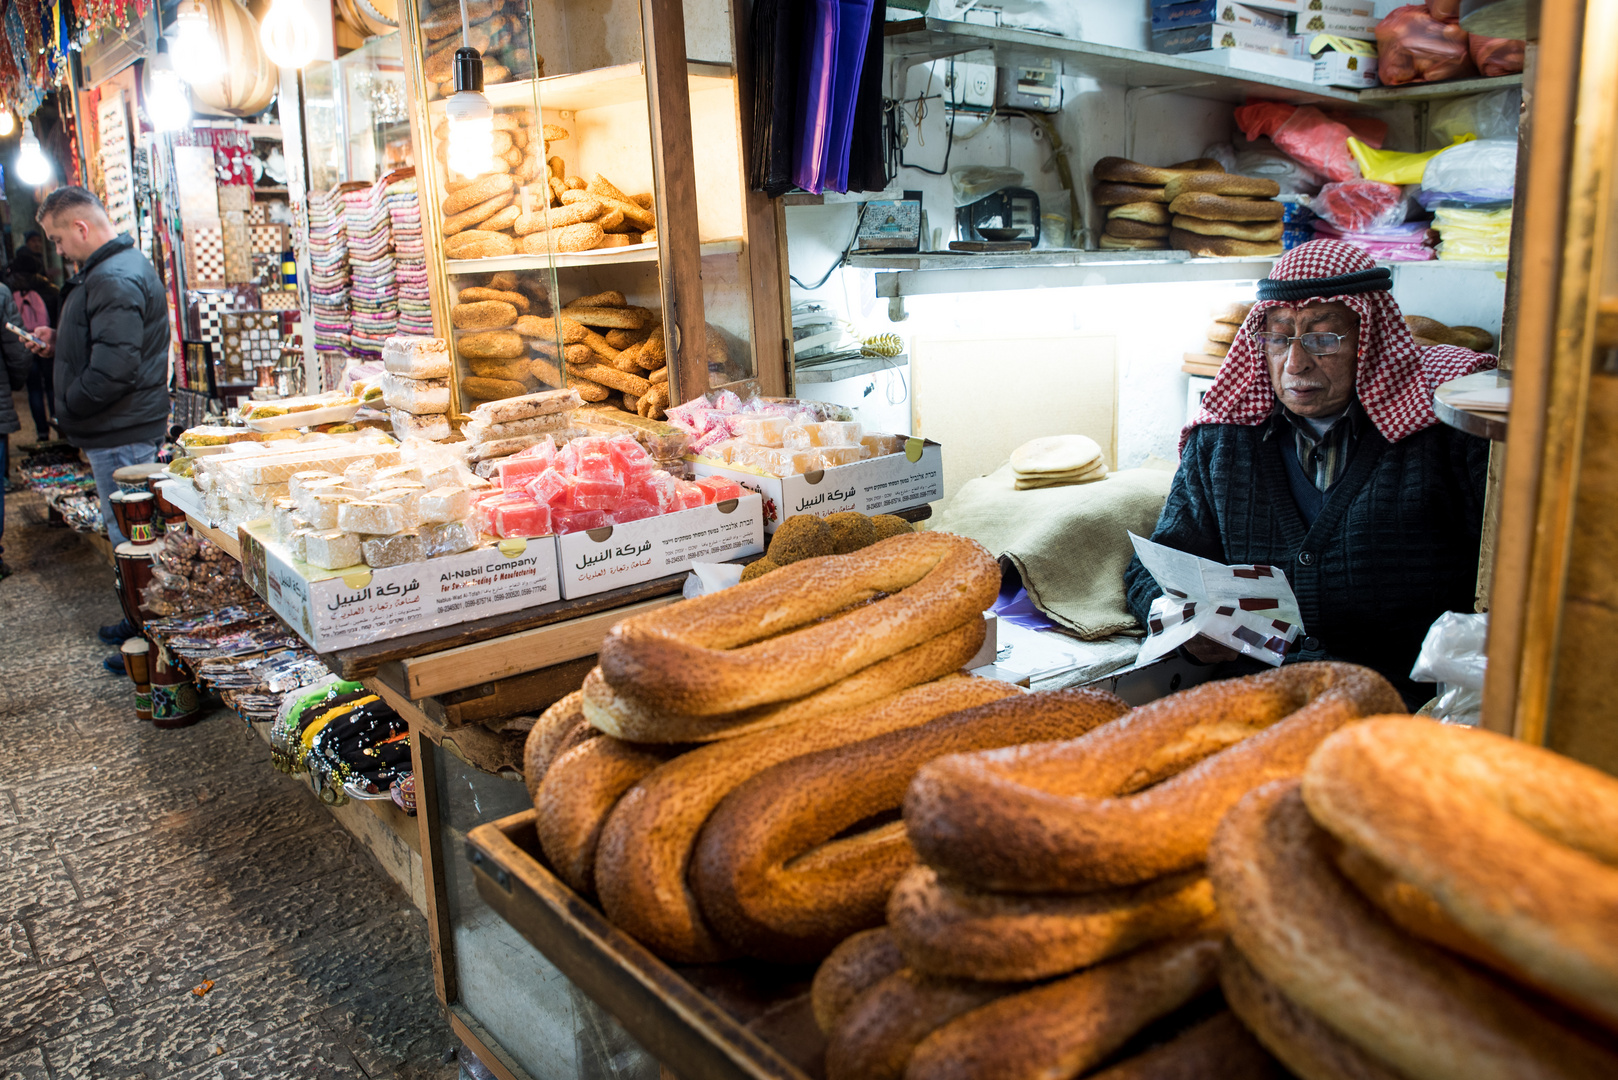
[(1249, 608)]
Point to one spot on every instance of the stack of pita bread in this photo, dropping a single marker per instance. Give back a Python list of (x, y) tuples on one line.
[(1222, 334), (1056, 460)]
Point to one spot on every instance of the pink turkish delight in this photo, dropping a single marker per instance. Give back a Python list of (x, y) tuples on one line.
[(720, 488), (632, 510), (516, 471), (522, 517), (551, 487), (568, 521), (589, 494), (688, 496)]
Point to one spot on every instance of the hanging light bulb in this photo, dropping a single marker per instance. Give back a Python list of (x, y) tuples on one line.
[(288, 34), (33, 168), (8, 122), (195, 43), (471, 118), (167, 101)]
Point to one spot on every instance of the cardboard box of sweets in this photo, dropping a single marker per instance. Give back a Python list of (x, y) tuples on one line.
[(337, 609)]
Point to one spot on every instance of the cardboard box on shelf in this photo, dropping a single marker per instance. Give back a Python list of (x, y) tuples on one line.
[(1359, 8), (1310, 23), (1172, 16), (1345, 62), (1298, 69), (336, 609), (1255, 18), (596, 560), (879, 485)]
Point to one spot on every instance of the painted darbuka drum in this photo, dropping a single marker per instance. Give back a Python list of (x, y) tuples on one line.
[(132, 564), (137, 662), (134, 477), (120, 509), (137, 659), (166, 514), (139, 513), (174, 695)]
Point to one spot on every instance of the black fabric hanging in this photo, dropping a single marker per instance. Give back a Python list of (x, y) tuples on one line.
[(867, 158), (776, 40)]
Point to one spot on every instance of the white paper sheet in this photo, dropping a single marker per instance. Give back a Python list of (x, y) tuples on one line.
[(1250, 608)]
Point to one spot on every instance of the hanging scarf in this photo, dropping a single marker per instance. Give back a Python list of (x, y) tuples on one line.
[(1395, 377)]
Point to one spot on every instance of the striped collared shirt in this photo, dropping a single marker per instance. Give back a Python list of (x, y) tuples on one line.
[(1322, 454)]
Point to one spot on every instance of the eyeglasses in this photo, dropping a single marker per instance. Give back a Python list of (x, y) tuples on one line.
[(1317, 344)]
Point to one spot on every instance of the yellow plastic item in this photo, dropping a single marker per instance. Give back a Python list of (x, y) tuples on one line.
[(1395, 166), (1473, 235)]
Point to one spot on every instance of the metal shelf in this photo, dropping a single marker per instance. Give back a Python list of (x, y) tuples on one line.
[(805, 372), (945, 272), (932, 39)]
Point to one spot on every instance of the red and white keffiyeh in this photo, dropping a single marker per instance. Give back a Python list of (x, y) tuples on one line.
[(1395, 378)]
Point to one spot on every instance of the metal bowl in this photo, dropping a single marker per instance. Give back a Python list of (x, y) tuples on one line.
[(999, 235)]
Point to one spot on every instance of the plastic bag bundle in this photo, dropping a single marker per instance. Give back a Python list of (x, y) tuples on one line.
[(1414, 46), (1455, 656), (1473, 235), (1497, 56), (1494, 115), (1391, 166), (1357, 206), (1315, 139), (1476, 175), (1294, 177)]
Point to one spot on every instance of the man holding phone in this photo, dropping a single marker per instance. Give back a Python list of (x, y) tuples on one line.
[(111, 348)]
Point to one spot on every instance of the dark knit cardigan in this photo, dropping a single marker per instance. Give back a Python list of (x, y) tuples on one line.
[(1395, 546)]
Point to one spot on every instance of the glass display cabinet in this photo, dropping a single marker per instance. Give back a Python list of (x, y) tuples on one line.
[(356, 115), (584, 197)]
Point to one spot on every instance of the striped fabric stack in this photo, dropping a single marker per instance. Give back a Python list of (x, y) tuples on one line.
[(410, 258), (328, 272), (373, 287)]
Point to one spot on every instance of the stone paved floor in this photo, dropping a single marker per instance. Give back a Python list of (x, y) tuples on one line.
[(137, 863)]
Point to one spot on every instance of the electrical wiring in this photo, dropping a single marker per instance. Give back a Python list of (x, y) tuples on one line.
[(841, 259)]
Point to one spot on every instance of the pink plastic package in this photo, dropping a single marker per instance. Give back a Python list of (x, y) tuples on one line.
[(1360, 205)]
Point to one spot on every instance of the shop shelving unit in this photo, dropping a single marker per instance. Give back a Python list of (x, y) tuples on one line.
[(651, 119)]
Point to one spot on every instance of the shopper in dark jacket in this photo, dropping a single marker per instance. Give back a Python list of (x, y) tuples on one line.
[(13, 373), (1317, 451), (111, 348)]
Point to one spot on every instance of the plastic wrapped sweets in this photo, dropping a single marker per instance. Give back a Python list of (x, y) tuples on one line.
[(332, 549), (447, 539), (415, 396), (396, 550)]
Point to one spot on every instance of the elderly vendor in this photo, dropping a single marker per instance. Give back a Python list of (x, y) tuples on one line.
[(1317, 451)]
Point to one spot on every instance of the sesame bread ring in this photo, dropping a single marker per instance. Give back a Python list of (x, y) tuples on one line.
[(777, 870), (1414, 1007), (1222, 333), (877, 1033), (483, 211), (953, 930), (1262, 232), (1553, 820), (1216, 348), (1108, 242), (1218, 1048), (1068, 1027), (1220, 183), (1225, 207), (589, 391), (1148, 213), (643, 865), (556, 217), (482, 189), (492, 389), (1111, 194), (569, 238), (1233, 313), (501, 219), (482, 315), (621, 715), (1126, 229), (478, 244), (492, 345), (1303, 1042), (1220, 247), (1135, 799), (760, 643), (558, 729), (1123, 171), (477, 292), (579, 792), (859, 963), (515, 370)]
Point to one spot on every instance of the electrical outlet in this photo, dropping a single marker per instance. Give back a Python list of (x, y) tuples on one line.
[(971, 86)]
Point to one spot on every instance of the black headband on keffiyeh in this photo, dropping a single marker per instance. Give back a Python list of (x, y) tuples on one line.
[(1395, 378)]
